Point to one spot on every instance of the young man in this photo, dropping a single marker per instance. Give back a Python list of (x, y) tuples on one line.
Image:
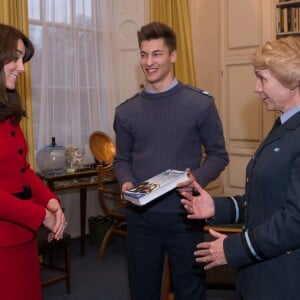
[(165, 126)]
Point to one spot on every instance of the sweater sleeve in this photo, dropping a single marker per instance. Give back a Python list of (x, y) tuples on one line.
[(123, 158), (216, 156)]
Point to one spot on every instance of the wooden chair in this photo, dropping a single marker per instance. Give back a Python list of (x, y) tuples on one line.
[(112, 205), (103, 149), (219, 278), (48, 251)]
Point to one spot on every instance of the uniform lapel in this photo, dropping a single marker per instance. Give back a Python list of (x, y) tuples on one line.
[(277, 132)]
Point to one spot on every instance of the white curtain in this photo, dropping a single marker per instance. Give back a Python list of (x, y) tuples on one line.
[(73, 81)]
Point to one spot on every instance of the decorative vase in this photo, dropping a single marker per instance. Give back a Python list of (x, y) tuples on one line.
[(51, 158)]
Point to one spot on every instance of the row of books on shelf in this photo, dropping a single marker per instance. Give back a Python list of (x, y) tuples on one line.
[(288, 19)]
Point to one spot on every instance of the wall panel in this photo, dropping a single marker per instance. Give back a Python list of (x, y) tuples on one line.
[(245, 25), (244, 107), (130, 15)]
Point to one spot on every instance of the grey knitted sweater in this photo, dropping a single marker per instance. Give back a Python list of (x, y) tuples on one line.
[(166, 130)]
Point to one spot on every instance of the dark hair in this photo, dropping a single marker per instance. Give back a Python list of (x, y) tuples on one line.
[(157, 30), (10, 101)]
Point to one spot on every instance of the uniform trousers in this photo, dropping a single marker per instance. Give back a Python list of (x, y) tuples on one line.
[(151, 236)]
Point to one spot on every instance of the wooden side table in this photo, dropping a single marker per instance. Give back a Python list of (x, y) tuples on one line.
[(81, 180)]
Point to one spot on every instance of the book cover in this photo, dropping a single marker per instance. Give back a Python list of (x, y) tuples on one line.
[(155, 187)]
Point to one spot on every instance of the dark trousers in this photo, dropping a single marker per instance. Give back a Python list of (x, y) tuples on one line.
[(152, 236)]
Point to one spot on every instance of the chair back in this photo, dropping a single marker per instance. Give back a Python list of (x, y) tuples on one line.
[(102, 147)]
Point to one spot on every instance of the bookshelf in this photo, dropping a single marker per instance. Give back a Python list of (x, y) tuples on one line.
[(287, 18)]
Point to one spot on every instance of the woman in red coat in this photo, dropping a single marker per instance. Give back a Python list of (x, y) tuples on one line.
[(25, 202)]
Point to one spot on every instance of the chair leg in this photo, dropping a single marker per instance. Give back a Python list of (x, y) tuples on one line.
[(105, 241), (68, 268), (166, 283)]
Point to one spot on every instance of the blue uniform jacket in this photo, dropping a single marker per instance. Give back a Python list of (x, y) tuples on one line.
[(267, 253)]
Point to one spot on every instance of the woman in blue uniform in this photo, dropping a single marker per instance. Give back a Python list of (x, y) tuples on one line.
[(267, 252)]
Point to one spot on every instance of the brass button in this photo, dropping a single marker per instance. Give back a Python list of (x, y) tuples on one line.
[(13, 133), (23, 169), (20, 151)]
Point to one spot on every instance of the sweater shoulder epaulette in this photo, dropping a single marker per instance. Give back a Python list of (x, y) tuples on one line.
[(129, 99), (134, 96), (203, 92)]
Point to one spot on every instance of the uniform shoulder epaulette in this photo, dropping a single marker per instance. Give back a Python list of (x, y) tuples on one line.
[(193, 88)]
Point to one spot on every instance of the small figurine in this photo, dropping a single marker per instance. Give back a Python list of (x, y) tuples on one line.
[(73, 158)]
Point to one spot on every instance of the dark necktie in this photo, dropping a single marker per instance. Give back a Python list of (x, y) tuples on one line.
[(276, 124)]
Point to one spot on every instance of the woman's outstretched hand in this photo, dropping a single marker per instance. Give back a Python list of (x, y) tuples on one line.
[(198, 204), (212, 253)]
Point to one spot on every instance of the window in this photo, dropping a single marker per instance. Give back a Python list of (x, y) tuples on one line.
[(73, 93)]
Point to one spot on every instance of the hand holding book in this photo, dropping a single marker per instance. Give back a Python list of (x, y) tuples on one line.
[(155, 187), (187, 185)]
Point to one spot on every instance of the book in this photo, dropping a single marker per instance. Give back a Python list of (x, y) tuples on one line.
[(155, 187)]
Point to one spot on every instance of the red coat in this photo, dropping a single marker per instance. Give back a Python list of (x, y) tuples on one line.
[(19, 219)]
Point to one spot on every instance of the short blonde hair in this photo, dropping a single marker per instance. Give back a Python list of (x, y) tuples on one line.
[(282, 58)]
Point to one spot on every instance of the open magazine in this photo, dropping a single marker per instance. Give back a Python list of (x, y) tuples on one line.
[(155, 187)]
